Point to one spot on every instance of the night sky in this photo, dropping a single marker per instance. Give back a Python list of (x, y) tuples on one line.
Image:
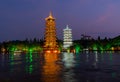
[(21, 19)]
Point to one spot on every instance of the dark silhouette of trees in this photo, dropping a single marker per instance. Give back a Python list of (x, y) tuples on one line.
[(81, 44)]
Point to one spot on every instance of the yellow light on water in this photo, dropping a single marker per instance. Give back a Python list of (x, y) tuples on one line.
[(52, 51)]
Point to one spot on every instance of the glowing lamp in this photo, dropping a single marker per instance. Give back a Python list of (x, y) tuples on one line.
[(55, 51), (48, 51)]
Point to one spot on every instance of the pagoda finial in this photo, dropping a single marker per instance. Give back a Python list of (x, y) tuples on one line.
[(50, 14), (67, 26)]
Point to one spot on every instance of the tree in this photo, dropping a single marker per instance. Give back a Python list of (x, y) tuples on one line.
[(99, 38)]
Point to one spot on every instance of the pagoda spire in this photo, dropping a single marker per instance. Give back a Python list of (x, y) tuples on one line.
[(67, 26), (50, 14)]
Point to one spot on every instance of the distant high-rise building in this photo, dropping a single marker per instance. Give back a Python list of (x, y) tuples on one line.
[(67, 36), (50, 34)]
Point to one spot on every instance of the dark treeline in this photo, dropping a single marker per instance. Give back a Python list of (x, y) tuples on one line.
[(25, 45), (78, 45), (21, 44), (97, 44)]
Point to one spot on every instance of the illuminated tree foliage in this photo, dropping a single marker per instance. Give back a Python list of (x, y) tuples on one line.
[(78, 45), (24, 46)]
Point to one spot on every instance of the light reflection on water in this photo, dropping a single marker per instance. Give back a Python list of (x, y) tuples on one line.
[(51, 71), (69, 63), (64, 67)]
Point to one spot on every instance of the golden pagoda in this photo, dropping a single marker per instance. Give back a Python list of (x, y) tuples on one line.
[(50, 39)]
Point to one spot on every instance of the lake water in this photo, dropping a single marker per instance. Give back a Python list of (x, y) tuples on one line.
[(63, 67)]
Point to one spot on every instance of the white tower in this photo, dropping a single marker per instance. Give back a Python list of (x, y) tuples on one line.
[(67, 36)]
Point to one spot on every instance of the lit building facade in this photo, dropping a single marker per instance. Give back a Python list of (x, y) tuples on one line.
[(50, 34), (67, 36)]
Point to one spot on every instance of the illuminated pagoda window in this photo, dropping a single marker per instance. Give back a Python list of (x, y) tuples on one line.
[(50, 34), (67, 36)]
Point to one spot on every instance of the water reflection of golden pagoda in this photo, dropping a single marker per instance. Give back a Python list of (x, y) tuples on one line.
[(50, 43), (51, 71)]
